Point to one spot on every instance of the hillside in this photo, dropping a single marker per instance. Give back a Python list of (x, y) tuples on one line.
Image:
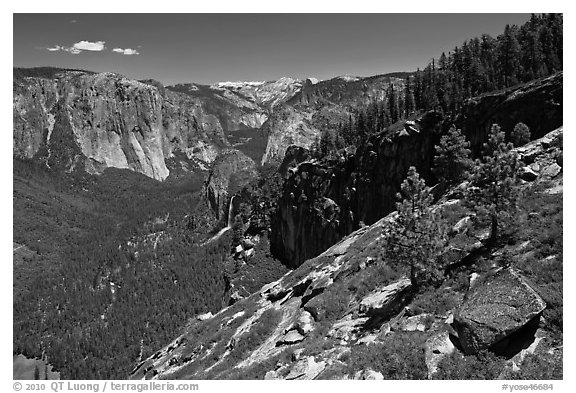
[(324, 200), (351, 313)]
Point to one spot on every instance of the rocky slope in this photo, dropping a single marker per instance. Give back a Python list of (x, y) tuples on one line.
[(319, 106), (108, 120), (324, 201), (240, 105), (351, 313)]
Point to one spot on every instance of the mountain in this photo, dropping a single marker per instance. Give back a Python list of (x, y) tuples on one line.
[(241, 105), (322, 106), (352, 313), (107, 120)]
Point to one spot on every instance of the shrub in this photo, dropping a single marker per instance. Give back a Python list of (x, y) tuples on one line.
[(400, 356), (484, 365), (520, 134)]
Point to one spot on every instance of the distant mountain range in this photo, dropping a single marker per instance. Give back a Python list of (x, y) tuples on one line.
[(108, 120)]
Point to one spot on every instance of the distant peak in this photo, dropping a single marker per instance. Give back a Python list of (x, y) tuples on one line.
[(237, 84), (348, 78)]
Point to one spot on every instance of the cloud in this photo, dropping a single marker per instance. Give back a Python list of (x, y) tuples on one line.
[(80, 47), (90, 46), (126, 52)]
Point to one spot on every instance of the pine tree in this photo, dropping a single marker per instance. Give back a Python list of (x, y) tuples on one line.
[(509, 51), (409, 104), (494, 192), (419, 235), (452, 160), (520, 134)]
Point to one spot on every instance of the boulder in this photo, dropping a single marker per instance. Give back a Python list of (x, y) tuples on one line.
[(271, 375), (552, 170), (297, 354), (205, 316), (292, 337), (368, 375), (535, 167), (472, 279), (305, 323), (462, 226), (437, 347), (386, 300), (306, 368), (526, 173), (346, 327), (249, 253), (238, 249), (414, 323), (247, 243), (498, 305)]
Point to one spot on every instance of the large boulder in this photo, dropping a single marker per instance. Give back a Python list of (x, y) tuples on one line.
[(305, 323), (497, 306), (292, 337), (552, 170), (306, 368), (436, 348), (387, 300)]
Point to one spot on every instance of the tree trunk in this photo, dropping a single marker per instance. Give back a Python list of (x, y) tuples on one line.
[(494, 229)]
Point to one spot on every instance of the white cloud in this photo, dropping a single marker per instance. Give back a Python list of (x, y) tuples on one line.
[(79, 47), (90, 46), (126, 52)]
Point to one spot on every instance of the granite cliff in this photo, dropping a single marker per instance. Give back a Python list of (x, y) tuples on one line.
[(114, 122), (323, 201)]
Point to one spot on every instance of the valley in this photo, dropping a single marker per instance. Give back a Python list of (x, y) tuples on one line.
[(406, 225)]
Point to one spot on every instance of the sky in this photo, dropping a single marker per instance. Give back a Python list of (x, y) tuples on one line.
[(208, 48)]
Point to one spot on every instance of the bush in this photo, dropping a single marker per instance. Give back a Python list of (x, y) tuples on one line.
[(484, 365), (520, 134), (400, 356)]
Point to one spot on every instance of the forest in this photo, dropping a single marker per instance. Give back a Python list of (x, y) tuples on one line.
[(114, 271), (480, 65)]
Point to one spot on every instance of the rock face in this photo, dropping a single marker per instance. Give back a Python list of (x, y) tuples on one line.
[(537, 104), (319, 106), (494, 308), (229, 173), (118, 122), (322, 202), (114, 122), (240, 105)]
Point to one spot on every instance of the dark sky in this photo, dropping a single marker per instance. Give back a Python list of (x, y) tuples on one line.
[(208, 48)]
